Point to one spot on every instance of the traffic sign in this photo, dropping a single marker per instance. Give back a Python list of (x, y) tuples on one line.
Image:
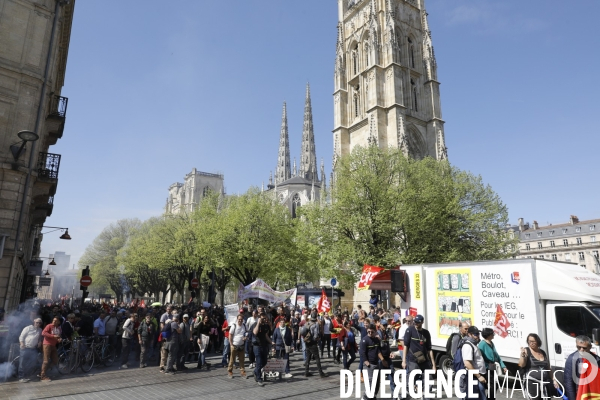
[(333, 281), (194, 283), (85, 281)]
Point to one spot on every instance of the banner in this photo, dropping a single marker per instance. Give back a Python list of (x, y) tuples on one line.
[(231, 313), (324, 304), (369, 272), (301, 301), (259, 289)]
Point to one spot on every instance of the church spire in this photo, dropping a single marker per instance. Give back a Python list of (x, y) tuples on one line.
[(295, 171), (308, 154), (283, 171)]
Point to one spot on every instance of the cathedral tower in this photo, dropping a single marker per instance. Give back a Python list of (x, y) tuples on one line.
[(386, 88), (308, 154), (283, 171)]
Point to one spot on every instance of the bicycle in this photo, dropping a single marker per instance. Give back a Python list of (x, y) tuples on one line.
[(103, 352), (13, 371), (78, 355)]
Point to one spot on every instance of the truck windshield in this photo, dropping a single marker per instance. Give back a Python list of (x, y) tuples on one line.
[(577, 320), (596, 311)]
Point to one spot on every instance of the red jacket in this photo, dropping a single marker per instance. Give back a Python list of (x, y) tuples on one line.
[(49, 332)]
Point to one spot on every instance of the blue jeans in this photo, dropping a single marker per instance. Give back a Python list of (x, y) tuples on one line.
[(390, 376), (260, 353), (225, 359), (201, 359), (303, 350), (27, 358), (345, 360)]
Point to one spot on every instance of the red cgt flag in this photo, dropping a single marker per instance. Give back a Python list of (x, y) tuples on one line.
[(368, 274), (589, 381), (324, 305), (501, 323)]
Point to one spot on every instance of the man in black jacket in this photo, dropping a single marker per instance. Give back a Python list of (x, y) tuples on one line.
[(311, 334), (572, 365), (145, 335), (370, 352), (261, 341)]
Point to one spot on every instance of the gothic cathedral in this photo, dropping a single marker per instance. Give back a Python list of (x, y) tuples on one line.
[(297, 187), (386, 88)]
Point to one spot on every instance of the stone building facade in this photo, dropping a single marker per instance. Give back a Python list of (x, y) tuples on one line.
[(386, 88), (574, 241), (185, 197), (34, 43), (297, 187)]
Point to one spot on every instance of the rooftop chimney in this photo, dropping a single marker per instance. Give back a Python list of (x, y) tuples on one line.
[(535, 225), (521, 225), (574, 220)]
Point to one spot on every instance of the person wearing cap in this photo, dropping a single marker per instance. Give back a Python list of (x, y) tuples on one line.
[(386, 351), (417, 353), (372, 358), (30, 341), (473, 360), (184, 342)]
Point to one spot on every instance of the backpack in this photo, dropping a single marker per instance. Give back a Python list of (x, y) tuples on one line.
[(307, 333), (167, 331), (457, 362)]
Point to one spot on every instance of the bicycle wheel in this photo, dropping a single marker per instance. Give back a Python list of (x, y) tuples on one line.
[(87, 361), (13, 370), (64, 360), (108, 355)]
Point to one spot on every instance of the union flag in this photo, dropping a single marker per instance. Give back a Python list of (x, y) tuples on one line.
[(324, 305), (501, 323), (589, 381)]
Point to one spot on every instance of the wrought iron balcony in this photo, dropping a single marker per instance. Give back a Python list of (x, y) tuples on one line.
[(48, 165), (58, 106)]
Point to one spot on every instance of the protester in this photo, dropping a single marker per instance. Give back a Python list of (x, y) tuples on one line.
[(370, 351), (226, 346), (283, 341), (491, 357), (311, 335), (203, 329), (327, 325), (126, 338), (237, 337), (473, 360), (30, 341), (99, 327), (261, 342), (417, 353), (347, 343), (145, 334), (295, 323), (336, 328), (52, 336), (172, 344), (574, 361)]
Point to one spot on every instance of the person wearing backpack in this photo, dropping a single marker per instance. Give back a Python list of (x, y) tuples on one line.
[(469, 357), (491, 357), (311, 333)]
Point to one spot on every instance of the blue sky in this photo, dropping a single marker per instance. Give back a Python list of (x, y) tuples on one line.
[(156, 89)]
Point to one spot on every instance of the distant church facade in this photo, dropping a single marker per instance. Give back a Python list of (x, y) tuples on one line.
[(386, 87), (296, 187)]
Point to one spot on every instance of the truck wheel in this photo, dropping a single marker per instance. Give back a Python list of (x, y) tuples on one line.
[(446, 365)]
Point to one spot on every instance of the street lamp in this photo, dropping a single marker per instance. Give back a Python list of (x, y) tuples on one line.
[(25, 136), (64, 236)]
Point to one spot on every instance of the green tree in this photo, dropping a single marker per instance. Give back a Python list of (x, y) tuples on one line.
[(102, 254), (251, 236), (387, 209)]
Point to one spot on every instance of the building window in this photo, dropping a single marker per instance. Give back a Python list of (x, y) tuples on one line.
[(296, 202), (552, 243), (579, 241), (539, 234), (540, 245), (541, 257), (592, 239), (595, 254), (356, 101), (527, 246), (565, 242), (551, 233), (355, 60), (415, 105), (554, 258), (592, 227), (367, 61), (578, 229), (564, 231), (411, 53), (568, 257), (527, 236), (581, 256)]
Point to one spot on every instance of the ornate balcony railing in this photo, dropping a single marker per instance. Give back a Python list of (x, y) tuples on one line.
[(58, 106), (48, 165)]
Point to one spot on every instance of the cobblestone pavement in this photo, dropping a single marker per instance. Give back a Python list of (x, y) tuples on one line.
[(149, 383)]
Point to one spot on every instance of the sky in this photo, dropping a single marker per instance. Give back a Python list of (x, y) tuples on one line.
[(156, 89)]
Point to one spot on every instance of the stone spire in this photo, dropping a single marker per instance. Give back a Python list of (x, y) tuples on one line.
[(271, 178), (308, 154), (442, 149), (295, 171), (283, 171), (322, 171)]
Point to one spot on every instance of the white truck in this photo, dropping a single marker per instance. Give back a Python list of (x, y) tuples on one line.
[(555, 300)]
